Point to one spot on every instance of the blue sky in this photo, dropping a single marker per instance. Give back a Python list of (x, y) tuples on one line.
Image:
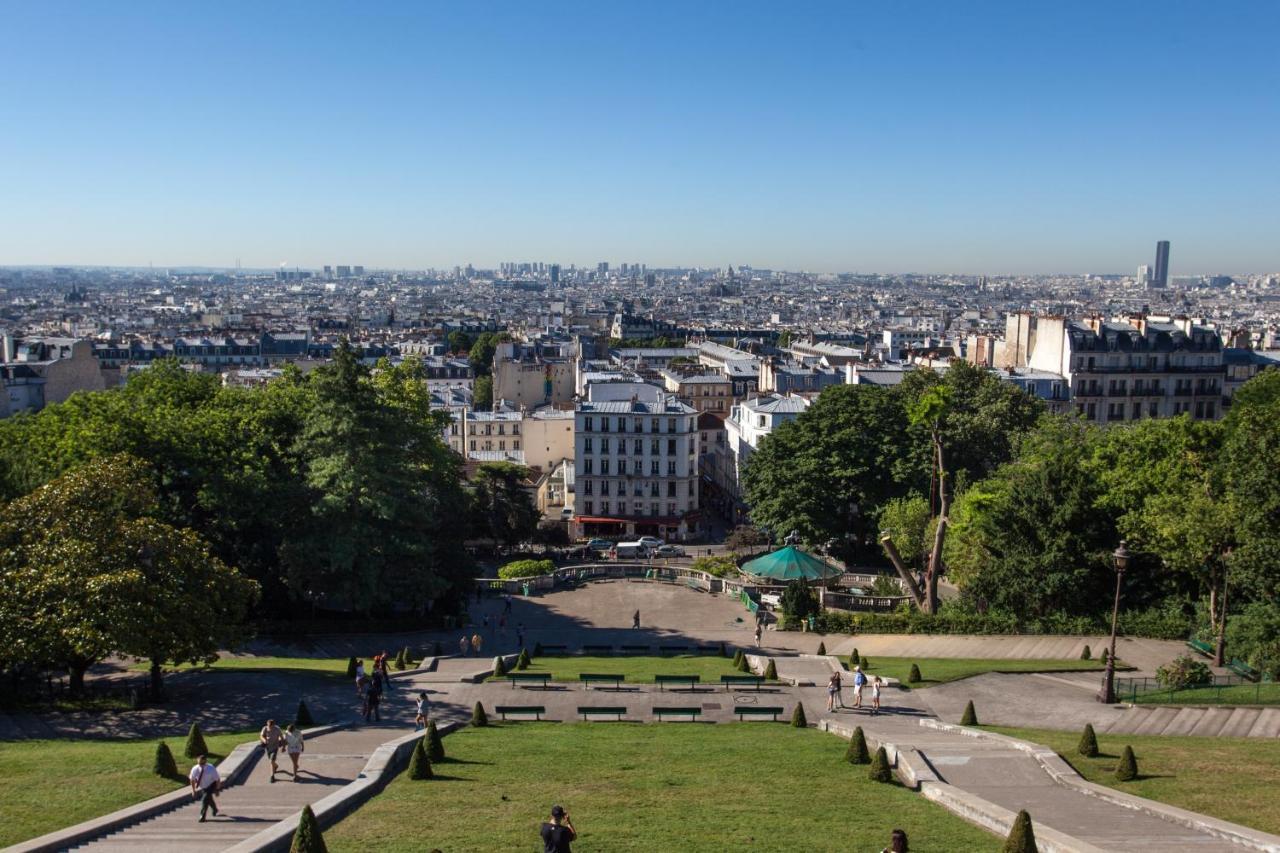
[(888, 136)]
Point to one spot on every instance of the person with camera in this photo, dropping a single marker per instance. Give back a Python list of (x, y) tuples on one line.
[(558, 832)]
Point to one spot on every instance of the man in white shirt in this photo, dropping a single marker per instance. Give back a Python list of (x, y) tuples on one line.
[(205, 783)]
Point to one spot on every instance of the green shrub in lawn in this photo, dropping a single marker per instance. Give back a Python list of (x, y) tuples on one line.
[(435, 743), (880, 771), (771, 671), (303, 717), (797, 717), (523, 661), (822, 648), (854, 658), (420, 764), (1182, 672), (164, 765), (307, 837), (479, 718), (1086, 654), (499, 668), (857, 752), (742, 665), (866, 664), (1127, 769), (351, 667), (195, 743), (1022, 838), (970, 716), (1088, 746), (913, 677)]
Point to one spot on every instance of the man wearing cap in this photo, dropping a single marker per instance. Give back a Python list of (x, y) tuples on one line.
[(558, 832)]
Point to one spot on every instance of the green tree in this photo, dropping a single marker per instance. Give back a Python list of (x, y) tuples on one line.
[(799, 599), (482, 394), (503, 507), (459, 341)]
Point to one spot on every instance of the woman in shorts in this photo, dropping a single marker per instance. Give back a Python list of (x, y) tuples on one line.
[(294, 746)]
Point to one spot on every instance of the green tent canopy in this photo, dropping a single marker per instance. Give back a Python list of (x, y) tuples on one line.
[(790, 563)]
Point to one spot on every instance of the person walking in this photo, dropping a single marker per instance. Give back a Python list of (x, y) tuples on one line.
[(372, 700), (464, 646), (520, 635), (833, 692), (423, 709), (205, 784), (859, 679), (759, 634), (635, 619), (476, 642), (294, 746), (384, 670), (875, 695), (558, 832), (271, 738)]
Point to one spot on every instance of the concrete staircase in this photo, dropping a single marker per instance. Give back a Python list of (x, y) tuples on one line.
[(1199, 722)]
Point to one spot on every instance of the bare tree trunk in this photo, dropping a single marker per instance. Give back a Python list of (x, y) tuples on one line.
[(1220, 649), (157, 681), (940, 533), (75, 676), (907, 580)]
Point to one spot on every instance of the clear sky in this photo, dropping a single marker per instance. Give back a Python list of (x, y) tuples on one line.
[(864, 136)]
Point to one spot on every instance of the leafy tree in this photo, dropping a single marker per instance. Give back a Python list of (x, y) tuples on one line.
[(526, 569), (482, 394), (1251, 455), (744, 537), (721, 566), (1255, 637), (482, 351), (503, 508), (459, 341), (784, 339), (799, 599)]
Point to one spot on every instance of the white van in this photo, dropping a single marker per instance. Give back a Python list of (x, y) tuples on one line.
[(630, 550)]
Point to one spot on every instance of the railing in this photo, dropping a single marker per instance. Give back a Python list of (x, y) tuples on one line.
[(1219, 690), (834, 600)]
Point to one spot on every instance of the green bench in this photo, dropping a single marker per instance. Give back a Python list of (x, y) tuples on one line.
[(1202, 647), (1243, 670), (663, 680), (674, 650), (756, 711), (642, 650), (691, 713), (730, 680), (536, 710), (597, 650), (601, 709), (550, 649), (589, 678), (528, 678)]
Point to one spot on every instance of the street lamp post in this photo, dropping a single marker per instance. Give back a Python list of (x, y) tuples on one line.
[(1107, 695)]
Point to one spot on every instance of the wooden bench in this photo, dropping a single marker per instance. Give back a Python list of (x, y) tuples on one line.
[(756, 711), (730, 680), (664, 650), (644, 650), (589, 678), (536, 710), (597, 650), (1202, 647), (1243, 670), (662, 680), (528, 678), (691, 713), (601, 709)]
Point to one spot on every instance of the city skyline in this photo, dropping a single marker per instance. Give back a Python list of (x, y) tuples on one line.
[(993, 139)]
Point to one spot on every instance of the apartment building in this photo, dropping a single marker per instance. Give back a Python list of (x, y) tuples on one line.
[(747, 425), (706, 392)]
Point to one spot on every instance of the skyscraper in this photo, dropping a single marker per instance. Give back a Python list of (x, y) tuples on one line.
[(1160, 275)]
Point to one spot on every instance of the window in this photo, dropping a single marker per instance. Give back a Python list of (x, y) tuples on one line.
[(604, 445), (653, 425), (637, 467), (604, 507), (622, 424), (671, 467), (473, 444), (502, 445), (589, 508), (1153, 409), (655, 447), (760, 421), (604, 423), (653, 509), (671, 446), (653, 488), (604, 466), (692, 492), (588, 445), (587, 466), (671, 488), (639, 446), (502, 429), (515, 429), (488, 445), (587, 486), (671, 424), (653, 467), (637, 425), (671, 509), (587, 424), (604, 487), (622, 447), (622, 507)]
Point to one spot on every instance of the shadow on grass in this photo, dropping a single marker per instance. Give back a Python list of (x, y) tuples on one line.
[(449, 760)]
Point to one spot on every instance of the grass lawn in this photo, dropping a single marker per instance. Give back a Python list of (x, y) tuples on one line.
[(1237, 694), (44, 786), (1236, 779), (249, 663), (941, 670), (687, 787), (638, 669)]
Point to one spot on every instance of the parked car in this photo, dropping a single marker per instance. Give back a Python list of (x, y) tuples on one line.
[(650, 541), (668, 551), (599, 545)]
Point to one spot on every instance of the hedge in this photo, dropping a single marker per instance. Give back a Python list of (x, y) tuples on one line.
[(526, 569), (1157, 623)]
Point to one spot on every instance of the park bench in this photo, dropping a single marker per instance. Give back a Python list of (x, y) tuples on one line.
[(708, 650), (554, 650), (601, 709), (756, 711), (1202, 647), (597, 650), (1243, 670), (691, 713), (730, 680), (664, 650), (636, 649), (662, 680), (528, 678), (589, 678), (536, 710)]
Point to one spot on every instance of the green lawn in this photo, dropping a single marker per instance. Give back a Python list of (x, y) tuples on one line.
[(673, 786), (1236, 779), (941, 670), (1238, 694), (251, 663), (49, 784), (638, 669)]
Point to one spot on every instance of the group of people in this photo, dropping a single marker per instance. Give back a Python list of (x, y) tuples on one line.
[(206, 782), (371, 685), (860, 681)]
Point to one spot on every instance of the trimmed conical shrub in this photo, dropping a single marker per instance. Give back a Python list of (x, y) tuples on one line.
[(771, 671), (1086, 653), (499, 668), (737, 658), (1127, 769), (523, 661), (479, 718), (857, 752), (1022, 838), (195, 743), (164, 765), (307, 837), (435, 743), (880, 771), (351, 667), (913, 677), (822, 648), (798, 719), (854, 658), (1088, 746), (420, 764), (866, 664), (303, 718), (742, 665), (1103, 657), (970, 716)]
